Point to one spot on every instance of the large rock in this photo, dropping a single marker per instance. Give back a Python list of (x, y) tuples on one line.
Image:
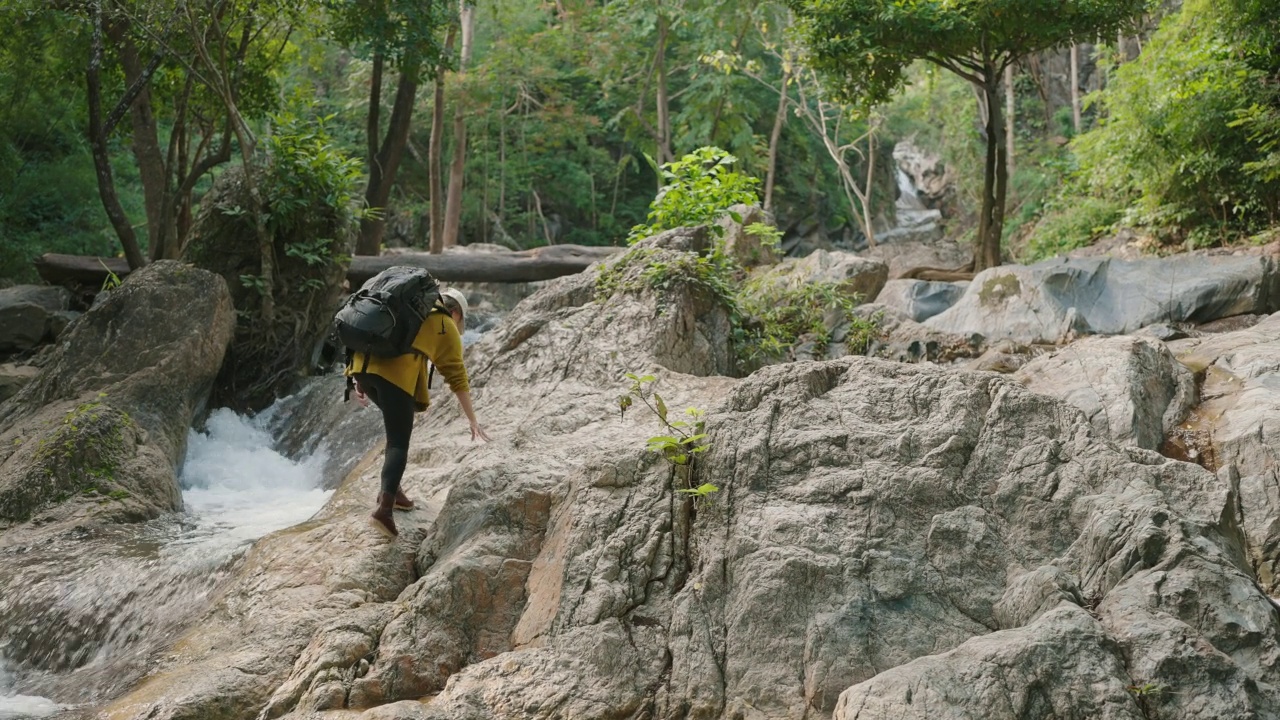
[(1236, 429), (1050, 301), (1132, 389), (920, 299), (903, 256), (27, 313), (854, 275), (111, 409), (881, 532)]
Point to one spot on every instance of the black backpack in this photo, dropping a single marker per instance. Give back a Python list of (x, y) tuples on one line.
[(383, 317)]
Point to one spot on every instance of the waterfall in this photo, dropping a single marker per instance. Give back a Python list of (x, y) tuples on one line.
[(97, 609)]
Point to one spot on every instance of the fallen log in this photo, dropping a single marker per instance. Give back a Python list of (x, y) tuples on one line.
[(544, 263)]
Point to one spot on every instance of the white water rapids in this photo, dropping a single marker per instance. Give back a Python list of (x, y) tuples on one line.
[(90, 627)]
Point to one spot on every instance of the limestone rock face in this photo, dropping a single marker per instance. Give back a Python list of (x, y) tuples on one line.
[(886, 541), (1053, 300), (110, 410), (1235, 430), (1132, 389)]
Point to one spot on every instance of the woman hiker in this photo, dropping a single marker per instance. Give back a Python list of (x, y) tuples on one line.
[(398, 386)]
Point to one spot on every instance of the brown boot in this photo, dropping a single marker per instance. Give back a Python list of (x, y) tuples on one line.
[(402, 501), (381, 517)]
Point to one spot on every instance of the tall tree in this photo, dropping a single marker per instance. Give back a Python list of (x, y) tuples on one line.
[(865, 46), (436, 151), (403, 34), (453, 205)]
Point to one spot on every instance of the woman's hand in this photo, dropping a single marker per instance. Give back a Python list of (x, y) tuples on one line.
[(478, 432), (361, 397)]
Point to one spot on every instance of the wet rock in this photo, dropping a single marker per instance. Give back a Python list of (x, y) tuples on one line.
[(1049, 302), (111, 407), (1131, 389), (920, 299)]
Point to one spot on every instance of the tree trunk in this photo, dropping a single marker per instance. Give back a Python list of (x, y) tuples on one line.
[(436, 150), (1075, 87), (453, 204), (663, 101), (1009, 115), (146, 145), (382, 169), (986, 251), (98, 144), (373, 119), (779, 119)]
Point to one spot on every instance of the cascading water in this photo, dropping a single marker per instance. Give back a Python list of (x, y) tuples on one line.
[(94, 610)]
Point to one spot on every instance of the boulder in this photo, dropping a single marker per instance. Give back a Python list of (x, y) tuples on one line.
[(856, 276), (47, 297), (1051, 301), (903, 256), (26, 313), (920, 299), (110, 409), (1235, 430), (1131, 389), (880, 532)]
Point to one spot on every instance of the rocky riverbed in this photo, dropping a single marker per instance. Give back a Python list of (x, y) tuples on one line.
[(889, 539)]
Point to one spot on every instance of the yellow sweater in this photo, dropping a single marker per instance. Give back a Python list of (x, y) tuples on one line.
[(438, 340)]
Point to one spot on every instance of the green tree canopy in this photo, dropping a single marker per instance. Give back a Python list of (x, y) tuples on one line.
[(864, 48)]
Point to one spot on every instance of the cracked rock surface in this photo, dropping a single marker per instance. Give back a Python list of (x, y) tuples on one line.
[(888, 541)]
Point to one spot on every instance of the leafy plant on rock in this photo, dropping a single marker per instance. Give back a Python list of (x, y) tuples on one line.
[(683, 440), (696, 189)]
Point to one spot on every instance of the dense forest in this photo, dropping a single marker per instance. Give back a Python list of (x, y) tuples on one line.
[(432, 123)]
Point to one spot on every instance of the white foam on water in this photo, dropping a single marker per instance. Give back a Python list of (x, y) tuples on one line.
[(237, 488), (22, 707)]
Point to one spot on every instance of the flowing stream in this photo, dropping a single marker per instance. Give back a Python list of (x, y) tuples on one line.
[(94, 612)]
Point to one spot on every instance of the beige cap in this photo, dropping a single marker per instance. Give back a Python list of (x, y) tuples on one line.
[(457, 296)]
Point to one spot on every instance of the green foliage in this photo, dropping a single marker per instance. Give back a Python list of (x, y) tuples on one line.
[(406, 32), (1178, 137), (308, 175), (683, 440), (778, 315), (1065, 228), (698, 188), (866, 46)]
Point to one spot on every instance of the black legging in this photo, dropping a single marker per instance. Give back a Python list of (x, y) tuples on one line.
[(397, 417)]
